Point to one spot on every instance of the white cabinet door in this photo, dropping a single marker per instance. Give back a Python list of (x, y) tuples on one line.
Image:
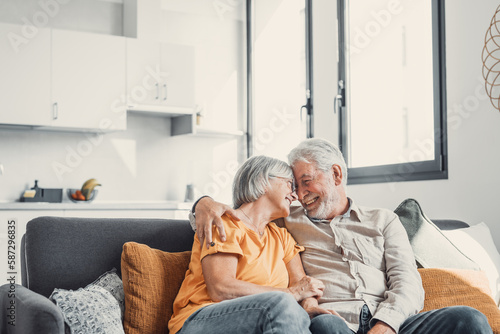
[(159, 75), (143, 72), (177, 64), (25, 76), (88, 80)]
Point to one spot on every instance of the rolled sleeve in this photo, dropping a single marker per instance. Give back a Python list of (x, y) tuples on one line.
[(192, 220), (232, 243), (404, 296)]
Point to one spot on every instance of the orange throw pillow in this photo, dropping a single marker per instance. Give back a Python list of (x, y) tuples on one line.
[(451, 287), (151, 280)]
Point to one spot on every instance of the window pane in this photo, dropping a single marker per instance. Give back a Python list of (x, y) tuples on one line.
[(390, 82), (279, 76)]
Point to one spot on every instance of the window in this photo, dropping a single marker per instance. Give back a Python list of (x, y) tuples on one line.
[(391, 90), (279, 94)]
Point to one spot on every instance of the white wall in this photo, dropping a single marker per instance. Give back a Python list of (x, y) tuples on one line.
[(143, 163), (472, 191)]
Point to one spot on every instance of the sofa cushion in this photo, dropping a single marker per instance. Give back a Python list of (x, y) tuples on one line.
[(477, 243), (431, 247), (151, 280), (94, 308), (451, 287)]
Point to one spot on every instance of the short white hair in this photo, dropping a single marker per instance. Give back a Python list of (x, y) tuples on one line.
[(252, 178), (321, 153)]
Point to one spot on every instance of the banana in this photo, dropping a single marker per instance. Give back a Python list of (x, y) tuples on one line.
[(86, 183), (88, 188)]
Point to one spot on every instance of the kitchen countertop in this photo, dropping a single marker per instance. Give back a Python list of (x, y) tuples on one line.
[(98, 205)]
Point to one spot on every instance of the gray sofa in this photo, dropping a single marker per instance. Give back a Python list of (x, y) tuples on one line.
[(70, 253)]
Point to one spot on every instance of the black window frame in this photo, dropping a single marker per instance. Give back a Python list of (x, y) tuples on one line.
[(410, 171)]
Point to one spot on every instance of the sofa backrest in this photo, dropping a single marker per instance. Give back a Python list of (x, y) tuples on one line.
[(69, 253)]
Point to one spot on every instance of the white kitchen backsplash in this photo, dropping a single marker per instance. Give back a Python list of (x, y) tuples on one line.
[(140, 164)]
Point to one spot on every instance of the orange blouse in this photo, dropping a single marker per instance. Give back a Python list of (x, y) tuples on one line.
[(261, 260)]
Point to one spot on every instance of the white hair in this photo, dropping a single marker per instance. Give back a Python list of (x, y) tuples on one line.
[(321, 153), (252, 178)]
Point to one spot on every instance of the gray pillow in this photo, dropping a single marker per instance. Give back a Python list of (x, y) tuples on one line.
[(430, 246), (92, 309)]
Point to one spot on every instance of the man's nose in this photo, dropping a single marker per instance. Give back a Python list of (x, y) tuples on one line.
[(301, 191)]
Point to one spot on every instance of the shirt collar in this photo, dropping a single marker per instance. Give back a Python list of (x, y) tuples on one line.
[(353, 208)]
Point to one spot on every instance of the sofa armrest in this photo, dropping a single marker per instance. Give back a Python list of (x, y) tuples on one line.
[(24, 311)]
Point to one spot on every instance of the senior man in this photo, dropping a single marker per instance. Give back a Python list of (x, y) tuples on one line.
[(361, 254)]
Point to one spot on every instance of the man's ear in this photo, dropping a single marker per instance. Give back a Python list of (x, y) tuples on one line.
[(337, 174)]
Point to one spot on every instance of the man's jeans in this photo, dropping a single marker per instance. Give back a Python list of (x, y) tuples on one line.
[(270, 312), (452, 320)]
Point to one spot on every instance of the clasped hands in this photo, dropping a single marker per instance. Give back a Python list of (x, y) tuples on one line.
[(307, 287)]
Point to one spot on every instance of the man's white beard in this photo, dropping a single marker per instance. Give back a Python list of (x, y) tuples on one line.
[(324, 210), (327, 205)]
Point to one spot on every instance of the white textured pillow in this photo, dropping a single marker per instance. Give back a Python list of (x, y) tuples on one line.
[(476, 242), (113, 283), (94, 308)]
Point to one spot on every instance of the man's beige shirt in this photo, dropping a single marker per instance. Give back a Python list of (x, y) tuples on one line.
[(362, 257)]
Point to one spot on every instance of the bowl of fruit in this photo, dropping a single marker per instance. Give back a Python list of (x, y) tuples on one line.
[(86, 193)]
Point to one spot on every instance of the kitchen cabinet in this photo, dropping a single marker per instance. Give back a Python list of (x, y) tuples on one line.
[(62, 80), (88, 81), (160, 77), (25, 78)]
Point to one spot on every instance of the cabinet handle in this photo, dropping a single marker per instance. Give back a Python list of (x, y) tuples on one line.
[(157, 91), (55, 111), (165, 91)]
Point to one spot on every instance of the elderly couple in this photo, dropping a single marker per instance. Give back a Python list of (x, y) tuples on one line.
[(356, 272)]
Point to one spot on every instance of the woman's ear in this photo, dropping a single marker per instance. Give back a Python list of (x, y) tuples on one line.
[(337, 174)]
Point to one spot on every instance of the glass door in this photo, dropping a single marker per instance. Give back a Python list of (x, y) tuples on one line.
[(279, 77)]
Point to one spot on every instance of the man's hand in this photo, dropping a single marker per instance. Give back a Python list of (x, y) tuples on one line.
[(209, 212), (307, 287), (381, 328), (312, 308)]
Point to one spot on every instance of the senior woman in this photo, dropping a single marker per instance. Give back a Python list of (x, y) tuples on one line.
[(252, 282)]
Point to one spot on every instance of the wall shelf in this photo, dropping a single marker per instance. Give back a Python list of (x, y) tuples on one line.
[(186, 125), (201, 131), (154, 110)]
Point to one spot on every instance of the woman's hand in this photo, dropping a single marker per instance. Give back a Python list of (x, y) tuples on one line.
[(307, 287), (209, 212)]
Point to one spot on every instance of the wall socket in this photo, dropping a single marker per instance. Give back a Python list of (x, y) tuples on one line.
[(1, 169)]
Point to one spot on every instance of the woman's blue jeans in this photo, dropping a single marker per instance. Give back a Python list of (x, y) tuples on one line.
[(270, 312), (448, 320)]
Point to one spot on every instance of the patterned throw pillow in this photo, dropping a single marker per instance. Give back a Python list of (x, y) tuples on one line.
[(112, 282), (94, 308)]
